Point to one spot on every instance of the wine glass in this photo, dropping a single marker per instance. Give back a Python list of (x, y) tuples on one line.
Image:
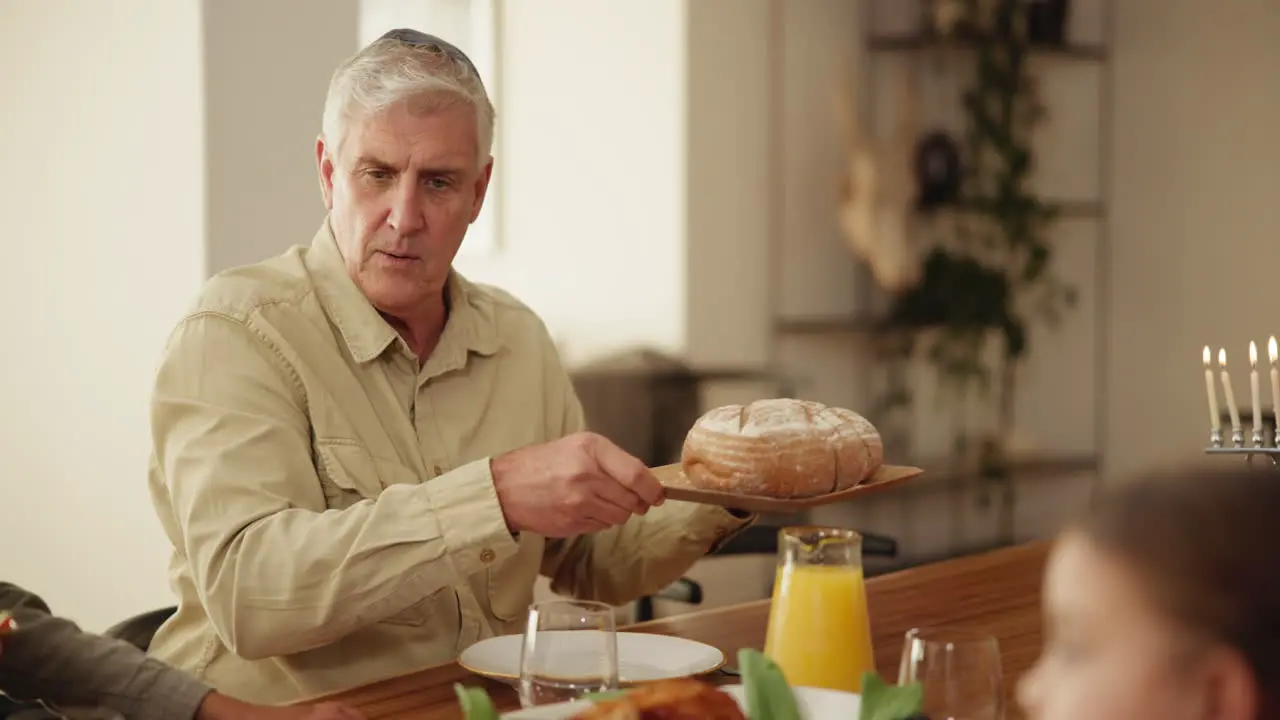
[(959, 671), (570, 649)]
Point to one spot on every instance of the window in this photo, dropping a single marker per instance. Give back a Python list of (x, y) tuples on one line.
[(472, 25)]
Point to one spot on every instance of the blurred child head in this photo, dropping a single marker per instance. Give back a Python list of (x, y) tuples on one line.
[(1163, 603)]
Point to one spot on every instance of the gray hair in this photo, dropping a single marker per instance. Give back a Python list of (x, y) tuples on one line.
[(388, 72)]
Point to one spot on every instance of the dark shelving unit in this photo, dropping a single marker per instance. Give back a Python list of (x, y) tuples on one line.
[(870, 300), (916, 43)]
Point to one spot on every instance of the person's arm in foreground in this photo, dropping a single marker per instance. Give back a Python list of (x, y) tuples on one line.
[(49, 658)]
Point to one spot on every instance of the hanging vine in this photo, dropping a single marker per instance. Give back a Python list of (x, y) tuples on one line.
[(994, 275)]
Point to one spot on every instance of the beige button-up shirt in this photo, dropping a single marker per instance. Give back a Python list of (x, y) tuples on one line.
[(330, 503)]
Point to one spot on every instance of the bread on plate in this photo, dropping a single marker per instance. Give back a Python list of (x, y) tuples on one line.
[(781, 448)]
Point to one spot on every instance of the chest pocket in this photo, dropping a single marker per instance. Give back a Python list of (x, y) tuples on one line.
[(349, 473)]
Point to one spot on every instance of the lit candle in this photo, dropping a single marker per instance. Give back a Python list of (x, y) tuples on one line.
[(1215, 418), (1275, 377), (1226, 389), (1255, 392)]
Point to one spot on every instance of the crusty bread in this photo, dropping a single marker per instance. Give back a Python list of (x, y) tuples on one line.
[(781, 448)]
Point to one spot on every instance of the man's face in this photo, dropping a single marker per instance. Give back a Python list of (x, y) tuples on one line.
[(400, 196)]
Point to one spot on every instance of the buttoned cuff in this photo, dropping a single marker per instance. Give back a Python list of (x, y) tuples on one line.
[(471, 520), (718, 525)]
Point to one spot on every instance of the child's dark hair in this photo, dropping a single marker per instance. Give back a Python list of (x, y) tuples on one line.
[(1205, 545)]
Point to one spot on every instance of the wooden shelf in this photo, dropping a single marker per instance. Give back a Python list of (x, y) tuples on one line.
[(916, 43), (1067, 209), (942, 474), (828, 324)]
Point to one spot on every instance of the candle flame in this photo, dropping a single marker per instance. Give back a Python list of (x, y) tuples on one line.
[(1222, 358), (1253, 354), (1271, 349), (1207, 355)]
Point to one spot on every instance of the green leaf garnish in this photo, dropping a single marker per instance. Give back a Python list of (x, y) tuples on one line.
[(768, 694), (882, 701), (476, 703)]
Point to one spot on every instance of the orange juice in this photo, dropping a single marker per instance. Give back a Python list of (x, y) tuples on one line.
[(819, 632)]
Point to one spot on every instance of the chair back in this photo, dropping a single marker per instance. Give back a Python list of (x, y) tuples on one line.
[(139, 629)]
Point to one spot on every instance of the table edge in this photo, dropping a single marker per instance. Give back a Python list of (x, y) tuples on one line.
[(959, 563)]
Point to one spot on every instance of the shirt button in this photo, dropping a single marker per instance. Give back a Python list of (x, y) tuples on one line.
[(487, 556)]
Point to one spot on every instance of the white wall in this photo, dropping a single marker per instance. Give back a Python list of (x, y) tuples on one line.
[(1196, 248), (101, 199), (733, 51), (592, 130), (266, 71), (159, 141)]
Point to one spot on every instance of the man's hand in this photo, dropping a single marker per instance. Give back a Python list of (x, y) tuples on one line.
[(578, 484)]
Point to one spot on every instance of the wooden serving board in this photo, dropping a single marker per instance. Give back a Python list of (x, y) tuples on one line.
[(677, 485)]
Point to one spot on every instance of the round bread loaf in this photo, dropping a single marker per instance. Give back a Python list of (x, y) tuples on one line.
[(781, 448)]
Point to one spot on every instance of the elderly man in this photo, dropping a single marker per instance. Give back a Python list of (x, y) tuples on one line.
[(362, 459)]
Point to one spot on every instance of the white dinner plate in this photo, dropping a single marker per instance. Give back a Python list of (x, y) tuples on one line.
[(642, 657), (813, 703)]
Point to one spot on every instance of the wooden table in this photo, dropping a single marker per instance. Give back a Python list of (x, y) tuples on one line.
[(998, 592)]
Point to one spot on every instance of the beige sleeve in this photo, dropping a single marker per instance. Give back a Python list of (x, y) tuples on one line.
[(277, 572), (641, 556)]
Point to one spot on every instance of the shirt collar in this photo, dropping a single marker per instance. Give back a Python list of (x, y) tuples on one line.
[(471, 327)]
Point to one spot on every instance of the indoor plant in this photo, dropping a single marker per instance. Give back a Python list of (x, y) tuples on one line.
[(990, 275)]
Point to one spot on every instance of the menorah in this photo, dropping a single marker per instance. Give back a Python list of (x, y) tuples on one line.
[(1258, 445), (1248, 452)]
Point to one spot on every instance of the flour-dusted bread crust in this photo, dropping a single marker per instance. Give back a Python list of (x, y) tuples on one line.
[(781, 448)]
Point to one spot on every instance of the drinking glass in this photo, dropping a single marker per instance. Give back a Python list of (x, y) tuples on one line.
[(570, 649), (959, 671)]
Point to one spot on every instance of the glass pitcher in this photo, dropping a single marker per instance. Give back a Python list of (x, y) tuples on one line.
[(819, 631)]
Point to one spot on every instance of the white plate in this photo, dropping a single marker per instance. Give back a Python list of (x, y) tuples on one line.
[(814, 704), (641, 656)]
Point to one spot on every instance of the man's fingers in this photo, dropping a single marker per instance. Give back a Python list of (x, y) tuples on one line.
[(611, 492), (628, 471), (612, 504), (588, 526)]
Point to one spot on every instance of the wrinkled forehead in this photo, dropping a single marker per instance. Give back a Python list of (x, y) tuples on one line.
[(424, 132)]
